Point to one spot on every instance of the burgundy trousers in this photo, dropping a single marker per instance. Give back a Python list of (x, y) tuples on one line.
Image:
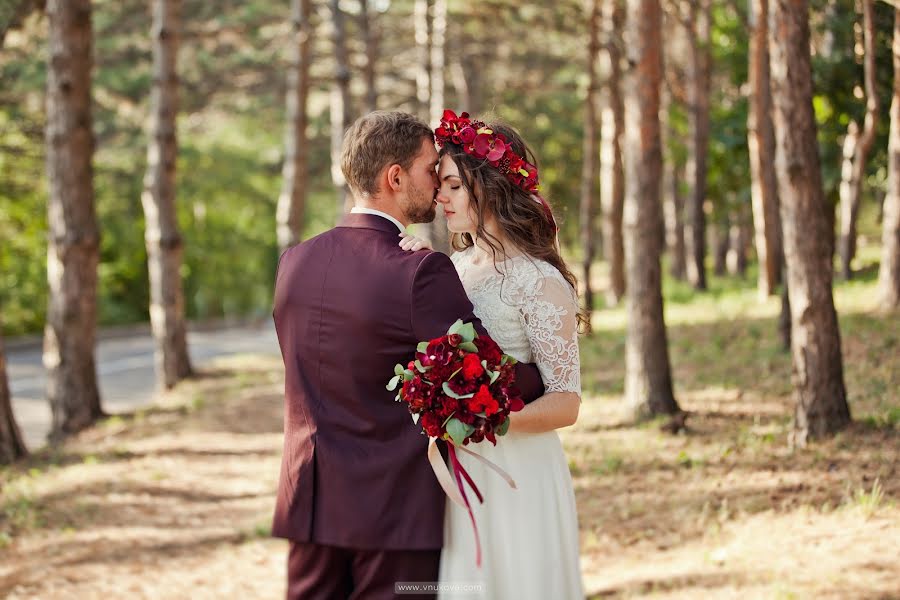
[(317, 572)]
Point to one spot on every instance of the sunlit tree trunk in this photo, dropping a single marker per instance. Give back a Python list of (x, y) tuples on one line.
[(589, 180), (422, 22), (761, 146), (612, 174), (440, 236), (889, 271), (857, 146), (165, 245), (340, 105), (368, 28), (698, 119), (12, 446), (292, 200), (821, 398), (74, 239), (648, 381)]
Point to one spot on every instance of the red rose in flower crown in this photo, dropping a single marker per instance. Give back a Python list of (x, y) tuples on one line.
[(461, 388)]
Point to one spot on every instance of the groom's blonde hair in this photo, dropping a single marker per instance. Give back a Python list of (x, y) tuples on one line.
[(378, 140)]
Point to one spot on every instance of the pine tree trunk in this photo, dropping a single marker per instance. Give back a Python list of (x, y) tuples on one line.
[(648, 381), (698, 119), (761, 146), (292, 200), (440, 235), (674, 216), (857, 147), (340, 106), (889, 271), (165, 245), (719, 235), (12, 445), (74, 239), (370, 39), (612, 126), (821, 398), (422, 22), (589, 180), (736, 261)]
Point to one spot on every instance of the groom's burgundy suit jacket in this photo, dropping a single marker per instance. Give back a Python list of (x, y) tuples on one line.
[(349, 305)]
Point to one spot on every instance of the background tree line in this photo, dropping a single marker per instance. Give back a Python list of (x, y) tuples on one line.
[(659, 125)]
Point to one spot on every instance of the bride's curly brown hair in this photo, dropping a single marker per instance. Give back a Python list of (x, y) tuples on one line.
[(521, 217)]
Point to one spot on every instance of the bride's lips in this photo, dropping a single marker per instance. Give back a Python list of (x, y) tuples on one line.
[(449, 213)]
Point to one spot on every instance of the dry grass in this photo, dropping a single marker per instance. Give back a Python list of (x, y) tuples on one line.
[(175, 501)]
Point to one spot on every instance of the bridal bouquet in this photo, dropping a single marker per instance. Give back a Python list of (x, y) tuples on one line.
[(461, 388)]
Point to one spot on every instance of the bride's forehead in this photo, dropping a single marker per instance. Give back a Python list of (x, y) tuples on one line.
[(447, 166)]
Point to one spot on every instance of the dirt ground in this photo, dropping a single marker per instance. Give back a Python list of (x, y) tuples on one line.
[(175, 502)]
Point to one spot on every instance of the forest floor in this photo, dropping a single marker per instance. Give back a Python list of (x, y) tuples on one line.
[(175, 501)]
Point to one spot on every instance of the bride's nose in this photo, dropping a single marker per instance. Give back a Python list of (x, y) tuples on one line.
[(441, 198)]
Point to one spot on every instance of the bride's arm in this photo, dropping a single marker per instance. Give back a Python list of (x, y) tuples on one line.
[(549, 315)]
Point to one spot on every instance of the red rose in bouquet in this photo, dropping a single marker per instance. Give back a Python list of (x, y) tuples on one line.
[(462, 380), (461, 388)]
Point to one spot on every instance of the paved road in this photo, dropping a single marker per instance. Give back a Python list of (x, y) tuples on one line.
[(126, 371)]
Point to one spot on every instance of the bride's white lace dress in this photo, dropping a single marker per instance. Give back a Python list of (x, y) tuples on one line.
[(529, 536)]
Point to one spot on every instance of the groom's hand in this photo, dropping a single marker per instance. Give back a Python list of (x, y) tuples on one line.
[(529, 381)]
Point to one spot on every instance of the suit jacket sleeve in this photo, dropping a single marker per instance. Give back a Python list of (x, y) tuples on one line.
[(438, 300)]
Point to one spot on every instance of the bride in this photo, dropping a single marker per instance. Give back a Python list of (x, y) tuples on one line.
[(509, 263)]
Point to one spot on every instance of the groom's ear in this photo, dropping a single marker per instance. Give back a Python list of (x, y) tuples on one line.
[(393, 175)]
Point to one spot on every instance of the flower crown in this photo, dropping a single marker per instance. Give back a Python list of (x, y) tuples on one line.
[(480, 141)]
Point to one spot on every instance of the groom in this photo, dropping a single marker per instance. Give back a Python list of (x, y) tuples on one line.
[(357, 497)]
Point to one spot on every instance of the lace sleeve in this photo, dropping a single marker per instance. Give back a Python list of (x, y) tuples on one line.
[(549, 315)]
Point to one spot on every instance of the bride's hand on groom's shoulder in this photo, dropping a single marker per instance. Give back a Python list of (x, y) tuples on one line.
[(413, 243)]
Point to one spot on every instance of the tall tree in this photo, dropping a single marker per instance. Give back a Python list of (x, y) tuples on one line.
[(292, 200), (648, 381), (74, 239), (165, 245), (440, 235), (367, 25), (857, 145), (761, 146), (589, 178), (422, 23), (12, 446), (699, 67), (612, 126), (340, 104), (821, 398), (889, 271)]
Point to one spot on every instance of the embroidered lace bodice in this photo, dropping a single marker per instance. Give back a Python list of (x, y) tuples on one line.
[(530, 311)]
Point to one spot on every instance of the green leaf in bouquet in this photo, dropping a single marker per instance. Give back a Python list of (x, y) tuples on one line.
[(468, 347), (503, 428), (495, 375), (422, 347), (455, 327), (503, 360), (392, 384), (453, 394), (453, 374), (458, 431), (420, 367), (467, 332), (398, 369), (408, 375)]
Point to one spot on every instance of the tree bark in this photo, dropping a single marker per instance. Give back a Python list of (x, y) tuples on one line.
[(422, 22), (589, 180), (736, 261), (719, 234), (612, 126), (370, 39), (292, 200), (673, 205), (857, 146), (12, 445), (165, 245), (761, 146), (340, 105), (889, 271), (698, 119), (821, 398), (648, 381), (74, 239)]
